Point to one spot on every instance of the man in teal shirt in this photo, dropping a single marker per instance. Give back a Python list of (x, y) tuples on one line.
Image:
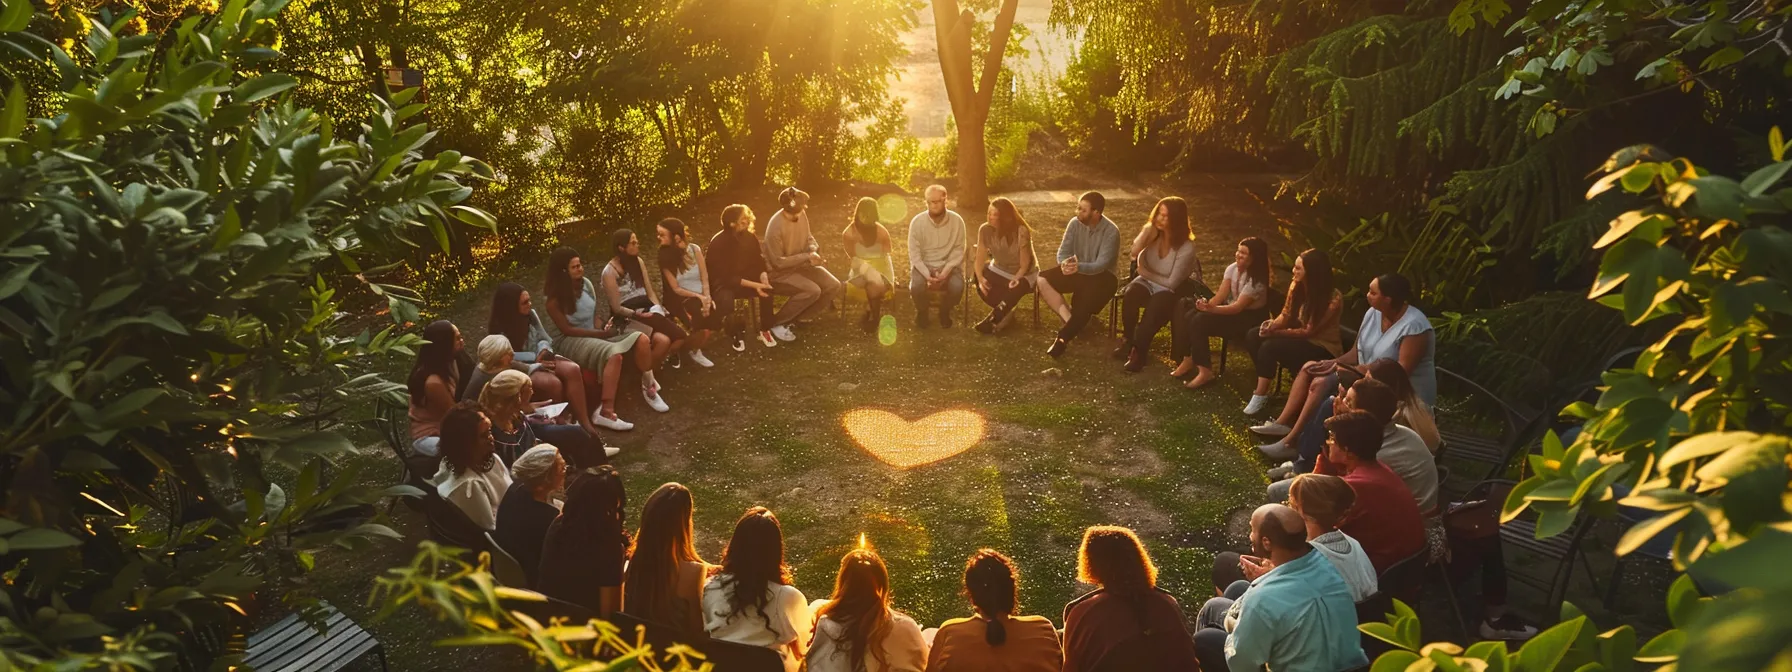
[(1297, 615), (1085, 269)]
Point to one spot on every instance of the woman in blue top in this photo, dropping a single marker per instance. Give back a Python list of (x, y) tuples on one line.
[(871, 268), (553, 377), (572, 323)]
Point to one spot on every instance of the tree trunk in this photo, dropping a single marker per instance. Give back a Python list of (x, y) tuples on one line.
[(973, 166), (755, 152), (969, 92)]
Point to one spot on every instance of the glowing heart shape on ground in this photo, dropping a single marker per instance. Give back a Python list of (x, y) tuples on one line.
[(903, 444)]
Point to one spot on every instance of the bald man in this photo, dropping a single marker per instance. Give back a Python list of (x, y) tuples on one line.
[(1296, 616)]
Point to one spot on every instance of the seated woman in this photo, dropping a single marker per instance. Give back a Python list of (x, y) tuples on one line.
[(738, 266), (506, 403), (434, 385), (586, 547), (1392, 328), (492, 355), (471, 475), (556, 378), (632, 298), (857, 631), (686, 278), (1127, 622), (664, 581), (750, 600), (871, 268), (1006, 267), (572, 314), (1305, 331), (1240, 303), (995, 640), (530, 506), (1165, 252)]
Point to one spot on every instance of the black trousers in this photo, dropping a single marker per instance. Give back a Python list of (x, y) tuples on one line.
[(1089, 294), (1158, 309), (690, 311), (724, 312), (1189, 331), (1291, 353), (1000, 298)]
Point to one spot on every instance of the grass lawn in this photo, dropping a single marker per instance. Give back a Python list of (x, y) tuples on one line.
[(1085, 443)]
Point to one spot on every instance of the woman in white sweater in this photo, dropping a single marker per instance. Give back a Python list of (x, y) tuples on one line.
[(750, 601), (471, 475), (857, 631)]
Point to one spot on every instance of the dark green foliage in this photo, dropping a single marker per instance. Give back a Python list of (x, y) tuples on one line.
[(173, 244)]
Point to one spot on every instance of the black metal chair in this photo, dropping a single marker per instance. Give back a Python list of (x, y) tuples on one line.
[(1520, 428), (450, 526), (415, 469), (293, 645), (726, 656), (1556, 554)]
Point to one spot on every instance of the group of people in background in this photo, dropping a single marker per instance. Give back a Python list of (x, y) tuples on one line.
[(1356, 492)]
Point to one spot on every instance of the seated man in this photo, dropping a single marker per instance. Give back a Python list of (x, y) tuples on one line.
[(936, 257), (1297, 615), (1385, 517), (1401, 448), (1321, 501), (794, 265), (1085, 269)]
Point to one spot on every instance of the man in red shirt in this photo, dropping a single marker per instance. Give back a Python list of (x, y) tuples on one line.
[(1385, 518)]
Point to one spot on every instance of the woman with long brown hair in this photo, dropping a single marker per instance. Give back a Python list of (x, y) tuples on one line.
[(1305, 331), (1165, 254), (1006, 267), (751, 600), (1127, 622), (857, 631), (995, 639), (1238, 304), (586, 547), (871, 270), (664, 581), (686, 276), (573, 324), (555, 378), (633, 299)]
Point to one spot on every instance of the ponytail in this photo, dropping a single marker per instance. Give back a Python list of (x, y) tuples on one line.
[(995, 633)]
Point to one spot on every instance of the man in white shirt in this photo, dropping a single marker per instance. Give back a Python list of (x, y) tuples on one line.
[(935, 255)]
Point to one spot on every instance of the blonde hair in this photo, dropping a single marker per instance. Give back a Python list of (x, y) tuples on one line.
[(533, 465), (1322, 498), (492, 351), (502, 397)]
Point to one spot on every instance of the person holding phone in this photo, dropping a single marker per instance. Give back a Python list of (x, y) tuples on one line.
[(1392, 328), (1085, 270)]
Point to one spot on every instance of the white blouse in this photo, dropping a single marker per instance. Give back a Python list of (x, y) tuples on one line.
[(785, 607), (903, 647), (476, 492)]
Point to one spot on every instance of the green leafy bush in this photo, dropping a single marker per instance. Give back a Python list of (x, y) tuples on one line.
[(174, 244), (1696, 428)]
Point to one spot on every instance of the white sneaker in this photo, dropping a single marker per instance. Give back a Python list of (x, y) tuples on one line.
[(1258, 401), (652, 395), (766, 338), (1506, 628), (784, 333), (1278, 451), (612, 424), (611, 451), (1272, 429), (697, 356), (739, 344), (1282, 472)]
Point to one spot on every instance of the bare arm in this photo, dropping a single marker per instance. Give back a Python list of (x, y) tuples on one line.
[(702, 271), (1412, 350), (436, 397), (980, 261), (652, 294), (614, 293), (1320, 322), (566, 326)]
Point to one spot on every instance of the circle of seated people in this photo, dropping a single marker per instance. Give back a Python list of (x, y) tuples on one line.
[(503, 432)]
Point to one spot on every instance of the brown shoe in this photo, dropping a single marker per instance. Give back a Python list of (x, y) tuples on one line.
[(1135, 361)]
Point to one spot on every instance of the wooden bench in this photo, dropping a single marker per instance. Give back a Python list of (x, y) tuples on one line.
[(292, 644)]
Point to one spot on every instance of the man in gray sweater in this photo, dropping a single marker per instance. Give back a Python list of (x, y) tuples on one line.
[(936, 255), (1085, 269), (795, 267)]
